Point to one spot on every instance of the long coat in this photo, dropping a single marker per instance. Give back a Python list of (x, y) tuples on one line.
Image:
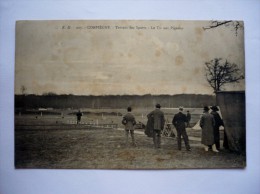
[(207, 124), (158, 119), (129, 121), (149, 126)]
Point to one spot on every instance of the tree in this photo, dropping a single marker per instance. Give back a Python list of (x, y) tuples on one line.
[(219, 74), (23, 90), (236, 25)]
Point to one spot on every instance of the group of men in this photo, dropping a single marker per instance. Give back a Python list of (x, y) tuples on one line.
[(209, 123)]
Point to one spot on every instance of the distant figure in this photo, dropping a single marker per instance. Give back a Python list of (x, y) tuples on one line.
[(179, 121), (129, 122), (188, 118), (79, 115), (207, 123), (218, 123), (149, 126), (167, 131), (157, 116)]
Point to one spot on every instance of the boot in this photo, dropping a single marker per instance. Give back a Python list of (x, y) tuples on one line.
[(214, 149), (133, 142), (206, 148)]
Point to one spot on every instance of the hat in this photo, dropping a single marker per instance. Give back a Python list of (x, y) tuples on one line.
[(158, 106), (206, 108), (215, 108)]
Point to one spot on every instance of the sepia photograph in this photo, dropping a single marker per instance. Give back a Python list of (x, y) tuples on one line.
[(129, 94)]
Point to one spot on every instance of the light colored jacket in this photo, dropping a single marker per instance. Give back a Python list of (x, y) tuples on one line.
[(129, 121), (207, 124)]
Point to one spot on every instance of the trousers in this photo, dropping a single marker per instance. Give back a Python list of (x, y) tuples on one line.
[(157, 138), (182, 133)]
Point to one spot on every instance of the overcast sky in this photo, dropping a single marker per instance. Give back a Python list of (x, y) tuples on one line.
[(152, 57)]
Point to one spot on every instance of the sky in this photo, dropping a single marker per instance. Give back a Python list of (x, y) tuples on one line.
[(107, 57)]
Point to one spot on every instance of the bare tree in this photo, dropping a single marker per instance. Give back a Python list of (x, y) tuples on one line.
[(218, 73), (236, 25), (23, 90)]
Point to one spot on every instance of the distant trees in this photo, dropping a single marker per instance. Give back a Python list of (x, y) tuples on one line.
[(219, 73), (49, 94), (111, 101)]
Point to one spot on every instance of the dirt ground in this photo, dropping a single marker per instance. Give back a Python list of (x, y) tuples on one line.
[(70, 146)]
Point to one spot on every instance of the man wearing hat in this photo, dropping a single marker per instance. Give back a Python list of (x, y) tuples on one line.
[(218, 123), (207, 123), (158, 124), (129, 122), (179, 121)]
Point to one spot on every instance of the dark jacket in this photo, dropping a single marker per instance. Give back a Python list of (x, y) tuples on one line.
[(79, 115), (179, 121), (188, 117), (218, 120), (149, 126)]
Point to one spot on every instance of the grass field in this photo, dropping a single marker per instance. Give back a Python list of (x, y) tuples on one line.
[(53, 142)]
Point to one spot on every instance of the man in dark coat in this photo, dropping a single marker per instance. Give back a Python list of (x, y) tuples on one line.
[(79, 115), (188, 118), (157, 116), (218, 123), (179, 121), (129, 122)]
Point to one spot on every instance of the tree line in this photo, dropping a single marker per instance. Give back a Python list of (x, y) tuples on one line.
[(111, 101)]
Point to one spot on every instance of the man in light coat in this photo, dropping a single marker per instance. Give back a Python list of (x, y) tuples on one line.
[(129, 122), (207, 123), (158, 124)]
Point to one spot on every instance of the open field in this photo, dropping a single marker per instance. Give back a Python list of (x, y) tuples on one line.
[(102, 115), (52, 142)]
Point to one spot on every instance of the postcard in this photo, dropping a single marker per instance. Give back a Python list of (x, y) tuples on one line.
[(130, 94)]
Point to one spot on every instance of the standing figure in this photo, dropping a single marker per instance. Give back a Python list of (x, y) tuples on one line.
[(207, 124), (188, 118), (218, 123), (129, 122), (79, 115), (157, 116), (149, 126), (179, 121)]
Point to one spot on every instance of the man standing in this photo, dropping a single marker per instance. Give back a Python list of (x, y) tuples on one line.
[(79, 115), (179, 121), (188, 118), (207, 123), (218, 123), (129, 122), (158, 124)]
